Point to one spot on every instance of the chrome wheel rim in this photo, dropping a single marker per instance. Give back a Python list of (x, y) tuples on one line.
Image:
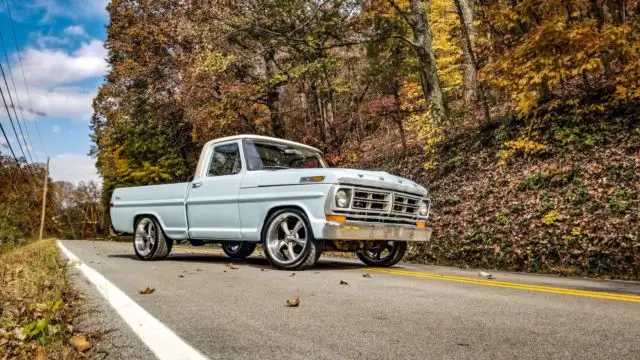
[(287, 238), (145, 236), (381, 252)]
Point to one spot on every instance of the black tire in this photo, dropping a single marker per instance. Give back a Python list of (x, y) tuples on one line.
[(239, 249), (161, 246), (310, 252), (395, 255)]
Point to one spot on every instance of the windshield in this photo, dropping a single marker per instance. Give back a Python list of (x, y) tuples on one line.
[(274, 156)]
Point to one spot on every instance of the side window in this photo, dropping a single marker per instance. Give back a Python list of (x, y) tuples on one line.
[(225, 160)]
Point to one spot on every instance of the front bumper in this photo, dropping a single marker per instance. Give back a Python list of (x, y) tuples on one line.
[(352, 230)]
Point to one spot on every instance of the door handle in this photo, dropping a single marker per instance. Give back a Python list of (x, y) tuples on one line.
[(196, 184)]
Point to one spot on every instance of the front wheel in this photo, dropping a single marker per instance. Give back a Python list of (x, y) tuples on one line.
[(384, 254), (288, 240), (149, 241), (238, 249)]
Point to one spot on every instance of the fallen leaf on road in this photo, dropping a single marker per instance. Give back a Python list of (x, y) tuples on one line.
[(147, 290), (293, 302), (366, 275), (181, 275), (342, 282), (261, 269), (198, 269), (80, 343), (485, 274), (293, 274)]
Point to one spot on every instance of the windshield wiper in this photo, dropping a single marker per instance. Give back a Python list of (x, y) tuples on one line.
[(275, 167)]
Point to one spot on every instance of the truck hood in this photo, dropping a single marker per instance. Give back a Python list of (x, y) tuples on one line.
[(377, 179)]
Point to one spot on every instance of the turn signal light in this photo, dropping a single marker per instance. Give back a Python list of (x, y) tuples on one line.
[(308, 179), (336, 218), (421, 224)]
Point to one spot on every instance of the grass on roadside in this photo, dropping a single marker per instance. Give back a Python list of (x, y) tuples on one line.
[(37, 304)]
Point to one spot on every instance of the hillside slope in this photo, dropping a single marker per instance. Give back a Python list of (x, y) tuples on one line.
[(563, 199)]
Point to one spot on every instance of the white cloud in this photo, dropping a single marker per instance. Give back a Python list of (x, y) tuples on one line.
[(49, 67), (73, 168), (75, 30), (55, 128), (55, 77)]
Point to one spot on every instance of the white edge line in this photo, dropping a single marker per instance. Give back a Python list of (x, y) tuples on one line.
[(163, 342)]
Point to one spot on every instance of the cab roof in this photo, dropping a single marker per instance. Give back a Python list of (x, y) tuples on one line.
[(261, 138)]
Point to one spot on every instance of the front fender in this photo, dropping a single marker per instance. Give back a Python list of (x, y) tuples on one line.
[(255, 205)]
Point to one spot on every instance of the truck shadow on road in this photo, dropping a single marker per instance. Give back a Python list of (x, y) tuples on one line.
[(323, 263)]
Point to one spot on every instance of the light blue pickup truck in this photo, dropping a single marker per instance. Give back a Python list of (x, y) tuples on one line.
[(251, 189)]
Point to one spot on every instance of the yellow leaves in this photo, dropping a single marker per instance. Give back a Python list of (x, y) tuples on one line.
[(520, 146), (445, 28), (550, 217), (215, 61)]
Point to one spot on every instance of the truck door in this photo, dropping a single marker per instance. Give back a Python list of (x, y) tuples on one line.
[(212, 201)]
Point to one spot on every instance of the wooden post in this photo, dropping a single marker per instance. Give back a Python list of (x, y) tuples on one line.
[(44, 199)]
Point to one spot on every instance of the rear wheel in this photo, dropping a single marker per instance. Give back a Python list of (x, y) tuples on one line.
[(238, 249), (385, 253), (149, 241), (288, 240)]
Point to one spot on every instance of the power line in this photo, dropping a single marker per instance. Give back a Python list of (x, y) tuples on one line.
[(15, 40), (13, 153), (14, 130), (15, 90), (15, 113)]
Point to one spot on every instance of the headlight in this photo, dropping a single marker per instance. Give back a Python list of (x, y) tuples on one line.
[(342, 198), (423, 209)]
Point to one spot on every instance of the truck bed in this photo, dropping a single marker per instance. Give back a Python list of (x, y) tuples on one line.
[(165, 202)]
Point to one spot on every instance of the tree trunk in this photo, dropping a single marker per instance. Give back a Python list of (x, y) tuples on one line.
[(423, 44), (397, 118), (272, 97), (465, 15)]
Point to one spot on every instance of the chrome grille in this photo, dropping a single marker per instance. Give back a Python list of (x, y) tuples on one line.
[(370, 200), (403, 204), (380, 206)]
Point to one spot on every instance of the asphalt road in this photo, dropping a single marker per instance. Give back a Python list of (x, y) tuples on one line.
[(410, 312)]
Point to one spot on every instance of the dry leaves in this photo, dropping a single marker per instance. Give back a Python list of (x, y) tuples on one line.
[(80, 343), (342, 282), (41, 354), (293, 302), (366, 275), (485, 274), (147, 291), (231, 266)]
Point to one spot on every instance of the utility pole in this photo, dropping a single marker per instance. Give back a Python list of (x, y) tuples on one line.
[(44, 199)]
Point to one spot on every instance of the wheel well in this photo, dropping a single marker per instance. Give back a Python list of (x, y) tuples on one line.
[(277, 208), (135, 220)]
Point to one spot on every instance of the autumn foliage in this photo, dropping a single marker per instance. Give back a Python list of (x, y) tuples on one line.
[(486, 102)]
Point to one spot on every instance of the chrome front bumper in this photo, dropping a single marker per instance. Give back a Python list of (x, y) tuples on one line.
[(352, 230)]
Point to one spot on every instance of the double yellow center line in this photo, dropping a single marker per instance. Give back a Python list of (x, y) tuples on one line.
[(540, 288)]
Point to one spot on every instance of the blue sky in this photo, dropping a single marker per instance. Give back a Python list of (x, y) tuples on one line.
[(63, 57)]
